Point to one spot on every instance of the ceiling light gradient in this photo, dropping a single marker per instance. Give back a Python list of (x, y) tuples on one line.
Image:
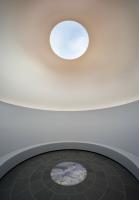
[(31, 75)]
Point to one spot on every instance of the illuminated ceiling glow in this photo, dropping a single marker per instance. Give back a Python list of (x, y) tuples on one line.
[(102, 74)]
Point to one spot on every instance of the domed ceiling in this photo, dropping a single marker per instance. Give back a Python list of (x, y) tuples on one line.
[(32, 75)]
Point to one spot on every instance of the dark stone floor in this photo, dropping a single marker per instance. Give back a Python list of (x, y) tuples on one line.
[(106, 179)]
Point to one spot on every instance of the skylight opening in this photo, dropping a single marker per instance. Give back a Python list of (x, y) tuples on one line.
[(69, 40)]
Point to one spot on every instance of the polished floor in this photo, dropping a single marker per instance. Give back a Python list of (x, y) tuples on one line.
[(105, 180)]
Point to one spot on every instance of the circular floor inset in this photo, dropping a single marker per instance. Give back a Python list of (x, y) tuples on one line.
[(105, 180), (68, 173)]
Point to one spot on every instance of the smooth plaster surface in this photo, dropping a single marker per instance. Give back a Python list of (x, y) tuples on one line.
[(32, 75), (116, 127), (23, 132)]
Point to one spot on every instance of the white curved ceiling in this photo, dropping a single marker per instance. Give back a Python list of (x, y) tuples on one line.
[(32, 75)]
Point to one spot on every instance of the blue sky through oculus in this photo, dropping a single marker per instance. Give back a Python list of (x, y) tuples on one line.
[(69, 40)]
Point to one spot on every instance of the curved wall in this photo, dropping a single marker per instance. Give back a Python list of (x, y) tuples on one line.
[(116, 128), (126, 159), (31, 75)]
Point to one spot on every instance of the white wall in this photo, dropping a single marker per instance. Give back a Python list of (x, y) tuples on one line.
[(116, 127)]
